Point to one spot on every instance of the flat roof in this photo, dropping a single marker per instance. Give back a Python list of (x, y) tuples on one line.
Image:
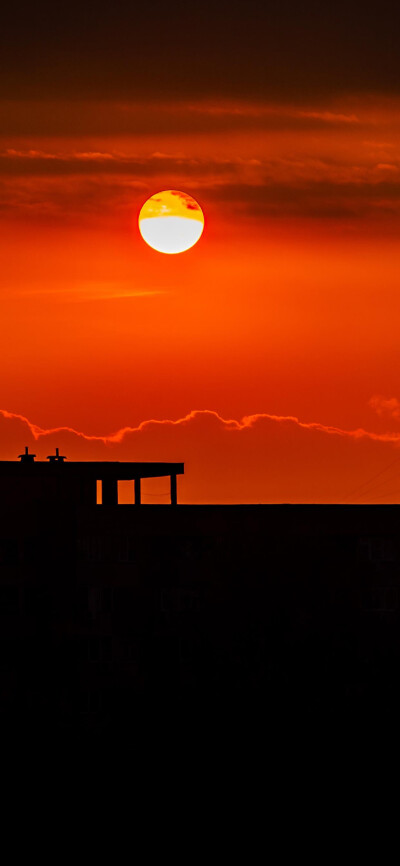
[(98, 470)]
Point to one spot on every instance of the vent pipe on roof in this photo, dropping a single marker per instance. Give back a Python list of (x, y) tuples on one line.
[(26, 458), (57, 457)]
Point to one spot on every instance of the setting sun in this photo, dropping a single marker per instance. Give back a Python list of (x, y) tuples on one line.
[(171, 222)]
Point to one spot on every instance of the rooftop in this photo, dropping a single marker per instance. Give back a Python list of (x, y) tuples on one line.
[(90, 472)]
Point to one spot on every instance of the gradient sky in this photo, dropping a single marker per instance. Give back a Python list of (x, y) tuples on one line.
[(267, 356)]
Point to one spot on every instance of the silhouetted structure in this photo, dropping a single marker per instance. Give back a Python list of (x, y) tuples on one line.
[(76, 483), (101, 604)]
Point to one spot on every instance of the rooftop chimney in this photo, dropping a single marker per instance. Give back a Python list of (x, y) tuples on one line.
[(26, 458), (57, 457)]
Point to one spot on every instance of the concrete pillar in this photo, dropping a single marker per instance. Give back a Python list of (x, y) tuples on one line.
[(137, 491), (110, 491), (174, 499)]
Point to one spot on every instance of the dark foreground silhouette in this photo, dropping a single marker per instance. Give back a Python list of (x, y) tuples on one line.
[(105, 606)]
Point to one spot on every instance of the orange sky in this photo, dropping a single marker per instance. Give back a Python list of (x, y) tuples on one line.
[(288, 307)]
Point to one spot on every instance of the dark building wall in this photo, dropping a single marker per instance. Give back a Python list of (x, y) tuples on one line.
[(100, 605)]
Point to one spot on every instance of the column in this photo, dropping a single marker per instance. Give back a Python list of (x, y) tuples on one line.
[(137, 491), (174, 499), (110, 491)]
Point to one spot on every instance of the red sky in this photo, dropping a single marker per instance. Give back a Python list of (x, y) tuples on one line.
[(287, 310)]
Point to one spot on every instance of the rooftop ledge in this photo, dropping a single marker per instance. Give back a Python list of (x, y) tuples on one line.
[(87, 473)]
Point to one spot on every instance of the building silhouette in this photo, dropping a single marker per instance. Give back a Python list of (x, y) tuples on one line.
[(102, 604)]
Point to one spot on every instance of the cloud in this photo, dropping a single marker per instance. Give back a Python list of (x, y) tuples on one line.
[(328, 197), (272, 116), (68, 187), (275, 167), (387, 166), (82, 292), (259, 458), (171, 117), (385, 406), (248, 421)]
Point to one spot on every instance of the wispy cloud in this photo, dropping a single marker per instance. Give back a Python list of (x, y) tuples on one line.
[(229, 424), (287, 177), (284, 114), (86, 292), (261, 457), (388, 407), (169, 117)]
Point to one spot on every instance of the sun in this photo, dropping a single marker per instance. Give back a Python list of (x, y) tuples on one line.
[(171, 221)]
